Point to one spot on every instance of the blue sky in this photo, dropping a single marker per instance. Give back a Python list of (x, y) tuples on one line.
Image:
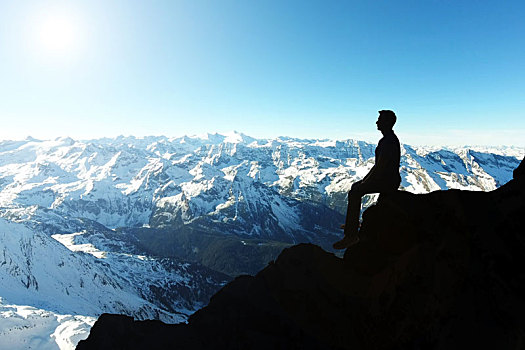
[(453, 71)]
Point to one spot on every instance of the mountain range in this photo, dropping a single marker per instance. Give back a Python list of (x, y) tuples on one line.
[(153, 227)]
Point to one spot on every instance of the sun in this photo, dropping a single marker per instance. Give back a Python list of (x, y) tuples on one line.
[(58, 35)]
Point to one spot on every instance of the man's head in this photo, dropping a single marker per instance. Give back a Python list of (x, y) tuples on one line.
[(386, 120)]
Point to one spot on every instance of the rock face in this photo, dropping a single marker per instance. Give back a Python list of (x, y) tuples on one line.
[(436, 271)]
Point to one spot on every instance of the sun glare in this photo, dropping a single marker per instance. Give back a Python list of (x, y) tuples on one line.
[(58, 35)]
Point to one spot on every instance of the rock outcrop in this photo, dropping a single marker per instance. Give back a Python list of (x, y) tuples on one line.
[(436, 271)]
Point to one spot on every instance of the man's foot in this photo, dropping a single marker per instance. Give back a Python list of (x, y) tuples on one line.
[(346, 242)]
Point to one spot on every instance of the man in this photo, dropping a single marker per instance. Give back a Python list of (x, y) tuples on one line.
[(382, 178)]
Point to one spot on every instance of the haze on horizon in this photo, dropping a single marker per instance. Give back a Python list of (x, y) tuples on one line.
[(452, 71)]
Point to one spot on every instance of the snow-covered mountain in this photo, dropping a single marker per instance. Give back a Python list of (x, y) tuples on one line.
[(113, 225), (130, 182), (71, 280)]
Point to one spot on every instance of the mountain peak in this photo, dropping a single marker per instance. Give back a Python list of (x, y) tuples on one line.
[(238, 137)]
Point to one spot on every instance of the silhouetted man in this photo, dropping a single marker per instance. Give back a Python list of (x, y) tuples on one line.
[(382, 178)]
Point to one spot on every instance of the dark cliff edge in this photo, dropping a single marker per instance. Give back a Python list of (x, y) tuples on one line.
[(443, 270)]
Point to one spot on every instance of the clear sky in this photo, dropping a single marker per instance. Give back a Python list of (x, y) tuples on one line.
[(453, 71)]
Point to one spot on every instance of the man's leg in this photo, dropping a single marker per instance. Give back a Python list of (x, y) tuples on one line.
[(352, 217), (352, 213), (354, 210)]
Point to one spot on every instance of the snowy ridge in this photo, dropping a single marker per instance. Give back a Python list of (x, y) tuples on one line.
[(88, 285), (36, 270), (26, 327), (66, 274)]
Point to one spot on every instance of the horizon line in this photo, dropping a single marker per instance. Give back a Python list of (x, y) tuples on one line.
[(203, 136)]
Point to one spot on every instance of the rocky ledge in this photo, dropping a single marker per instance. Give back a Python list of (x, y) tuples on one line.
[(436, 271)]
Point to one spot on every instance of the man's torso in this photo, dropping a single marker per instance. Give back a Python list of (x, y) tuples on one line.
[(388, 152)]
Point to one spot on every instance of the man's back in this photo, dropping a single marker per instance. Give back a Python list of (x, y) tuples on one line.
[(388, 156)]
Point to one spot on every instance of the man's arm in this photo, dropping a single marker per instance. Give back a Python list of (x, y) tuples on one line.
[(380, 170)]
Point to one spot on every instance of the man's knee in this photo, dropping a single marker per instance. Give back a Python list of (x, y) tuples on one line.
[(356, 193), (355, 187)]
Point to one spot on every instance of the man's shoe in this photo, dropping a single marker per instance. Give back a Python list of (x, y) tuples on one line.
[(346, 242)]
